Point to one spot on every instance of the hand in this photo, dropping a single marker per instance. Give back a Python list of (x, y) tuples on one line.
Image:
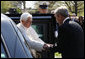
[(47, 46)]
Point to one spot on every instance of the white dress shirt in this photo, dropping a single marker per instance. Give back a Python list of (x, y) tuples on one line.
[(65, 19), (31, 37)]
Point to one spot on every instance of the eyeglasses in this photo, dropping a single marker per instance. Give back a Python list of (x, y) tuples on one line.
[(28, 21)]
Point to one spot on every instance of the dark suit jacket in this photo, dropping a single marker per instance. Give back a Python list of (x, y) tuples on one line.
[(71, 40)]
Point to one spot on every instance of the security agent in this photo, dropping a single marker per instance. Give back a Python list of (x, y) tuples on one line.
[(13, 11), (43, 8)]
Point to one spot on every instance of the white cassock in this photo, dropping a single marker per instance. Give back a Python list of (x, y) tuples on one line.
[(31, 37)]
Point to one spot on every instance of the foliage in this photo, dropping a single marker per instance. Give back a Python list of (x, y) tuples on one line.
[(5, 6), (73, 6), (19, 10)]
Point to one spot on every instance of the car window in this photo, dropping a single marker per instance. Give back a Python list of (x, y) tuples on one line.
[(3, 52), (41, 30)]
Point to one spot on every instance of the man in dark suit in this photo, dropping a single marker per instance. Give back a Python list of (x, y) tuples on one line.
[(70, 35)]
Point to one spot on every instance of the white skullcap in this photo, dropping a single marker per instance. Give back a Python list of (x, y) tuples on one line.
[(25, 16)]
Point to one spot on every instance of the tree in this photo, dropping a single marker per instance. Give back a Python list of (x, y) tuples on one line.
[(17, 4), (52, 4), (5, 5), (24, 3), (75, 2), (75, 6)]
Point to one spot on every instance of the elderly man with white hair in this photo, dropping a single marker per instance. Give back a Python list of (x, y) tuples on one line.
[(71, 36), (30, 34)]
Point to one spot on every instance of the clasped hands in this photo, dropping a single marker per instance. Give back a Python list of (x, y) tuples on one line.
[(47, 46)]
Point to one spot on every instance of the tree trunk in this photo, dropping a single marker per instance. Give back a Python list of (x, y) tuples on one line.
[(75, 7), (24, 4)]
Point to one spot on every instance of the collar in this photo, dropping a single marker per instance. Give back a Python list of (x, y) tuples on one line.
[(65, 19), (24, 26)]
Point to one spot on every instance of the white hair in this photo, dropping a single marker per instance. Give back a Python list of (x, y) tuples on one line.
[(25, 16), (62, 10)]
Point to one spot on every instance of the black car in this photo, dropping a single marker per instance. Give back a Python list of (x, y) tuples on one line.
[(12, 41)]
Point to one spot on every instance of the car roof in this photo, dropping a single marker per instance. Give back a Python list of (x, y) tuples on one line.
[(4, 19)]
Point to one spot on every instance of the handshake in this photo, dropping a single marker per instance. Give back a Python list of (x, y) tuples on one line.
[(47, 46)]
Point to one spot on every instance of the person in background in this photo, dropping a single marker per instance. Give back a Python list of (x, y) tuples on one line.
[(70, 35), (73, 16), (43, 8), (81, 21), (32, 38)]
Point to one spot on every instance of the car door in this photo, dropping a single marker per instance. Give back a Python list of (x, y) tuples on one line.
[(4, 53)]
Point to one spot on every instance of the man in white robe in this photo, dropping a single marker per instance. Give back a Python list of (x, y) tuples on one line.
[(30, 34)]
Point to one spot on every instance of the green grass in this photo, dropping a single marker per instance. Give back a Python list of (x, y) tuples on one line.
[(57, 55)]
